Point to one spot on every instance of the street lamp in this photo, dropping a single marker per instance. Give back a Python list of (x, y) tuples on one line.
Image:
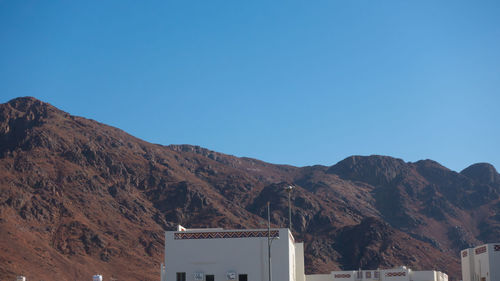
[(289, 191)]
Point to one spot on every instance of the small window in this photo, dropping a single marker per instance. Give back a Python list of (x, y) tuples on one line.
[(181, 276), (243, 277), (368, 274), (376, 274), (209, 277)]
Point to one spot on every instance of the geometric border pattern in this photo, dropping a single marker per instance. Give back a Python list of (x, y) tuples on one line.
[(342, 275), (224, 235), (395, 274), (480, 250)]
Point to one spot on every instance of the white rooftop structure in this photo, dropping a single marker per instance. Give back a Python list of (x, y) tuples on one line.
[(395, 274), (215, 254), (212, 254), (481, 263)]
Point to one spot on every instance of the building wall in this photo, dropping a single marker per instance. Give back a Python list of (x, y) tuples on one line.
[(424, 276), (369, 275), (162, 272), (291, 260), (442, 276), (299, 260), (343, 275), (319, 277), (219, 252), (467, 258), (481, 262), (395, 274), (495, 261)]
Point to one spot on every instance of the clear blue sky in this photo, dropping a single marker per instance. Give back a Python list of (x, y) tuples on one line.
[(293, 82)]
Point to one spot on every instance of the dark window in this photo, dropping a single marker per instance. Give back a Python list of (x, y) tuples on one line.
[(210, 278), (242, 277), (181, 276)]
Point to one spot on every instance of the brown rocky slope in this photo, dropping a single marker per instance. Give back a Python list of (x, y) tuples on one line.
[(78, 197)]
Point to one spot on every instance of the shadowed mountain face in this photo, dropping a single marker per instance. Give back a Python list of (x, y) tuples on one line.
[(78, 197)]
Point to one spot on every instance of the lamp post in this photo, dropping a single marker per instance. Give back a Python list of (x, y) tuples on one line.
[(289, 191), (269, 237)]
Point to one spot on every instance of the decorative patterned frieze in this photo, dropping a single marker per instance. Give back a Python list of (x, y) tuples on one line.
[(480, 250), (395, 274), (342, 275), (225, 234)]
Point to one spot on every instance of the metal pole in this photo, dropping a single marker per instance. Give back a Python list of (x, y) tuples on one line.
[(269, 237), (289, 190), (289, 211)]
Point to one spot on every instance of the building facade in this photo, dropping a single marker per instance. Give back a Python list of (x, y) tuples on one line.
[(242, 255), (395, 274), (481, 263)]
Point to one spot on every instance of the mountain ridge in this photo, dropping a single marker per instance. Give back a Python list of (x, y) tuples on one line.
[(79, 197)]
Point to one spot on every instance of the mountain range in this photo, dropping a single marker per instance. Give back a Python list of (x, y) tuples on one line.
[(78, 197)]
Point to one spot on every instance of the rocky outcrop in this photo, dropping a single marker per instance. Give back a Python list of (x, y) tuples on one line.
[(482, 173)]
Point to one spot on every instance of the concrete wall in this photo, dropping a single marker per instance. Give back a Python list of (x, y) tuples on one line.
[(319, 277), (343, 275), (291, 260), (487, 262), (299, 262), (441, 276), (218, 256), (467, 259), (395, 274), (162, 272), (481, 262), (424, 276), (495, 261), (369, 275)]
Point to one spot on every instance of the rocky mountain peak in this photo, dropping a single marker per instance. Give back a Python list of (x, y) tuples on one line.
[(22, 103), (374, 169), (27, 107), (482, 172)]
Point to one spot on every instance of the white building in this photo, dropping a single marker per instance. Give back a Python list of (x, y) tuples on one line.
[(215, 254), (481, 263), (396, 274)]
